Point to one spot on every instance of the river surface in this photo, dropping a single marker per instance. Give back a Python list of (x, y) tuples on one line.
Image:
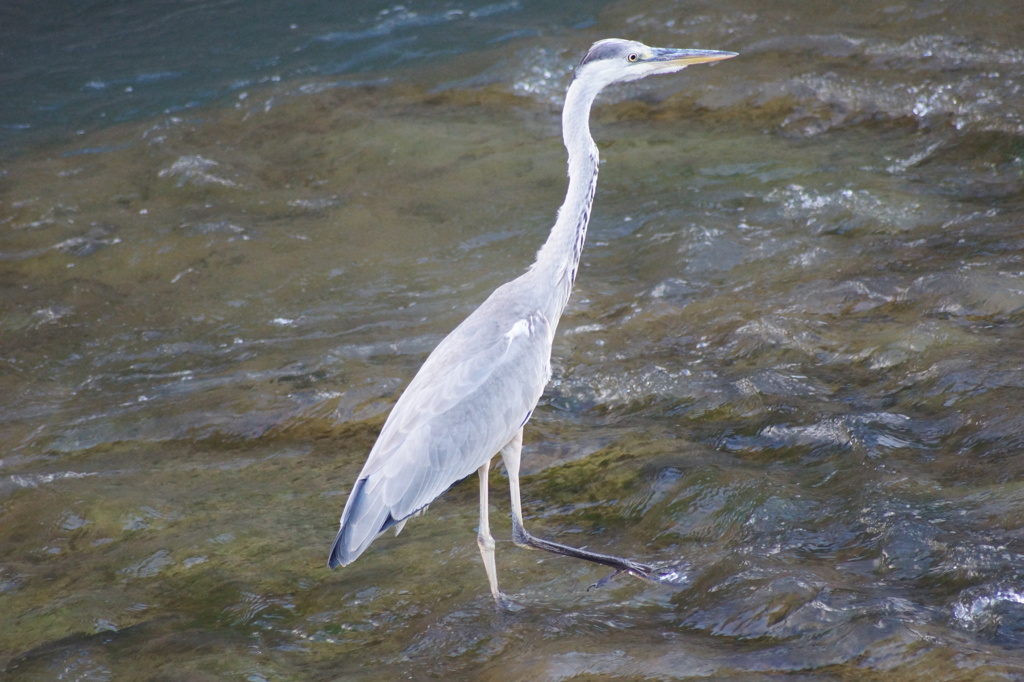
[(792, 367)]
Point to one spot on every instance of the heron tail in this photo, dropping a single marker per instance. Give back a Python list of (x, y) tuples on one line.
[(361, 522), (365, 517)]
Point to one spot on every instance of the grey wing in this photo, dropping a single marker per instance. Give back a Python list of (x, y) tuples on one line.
[(470, 397)]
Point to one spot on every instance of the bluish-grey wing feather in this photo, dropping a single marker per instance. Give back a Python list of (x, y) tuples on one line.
[(466, 402)]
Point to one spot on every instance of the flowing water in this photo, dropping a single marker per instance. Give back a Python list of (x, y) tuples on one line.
[(792, 364)]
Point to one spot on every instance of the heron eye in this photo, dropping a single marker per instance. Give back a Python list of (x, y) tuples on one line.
[(633, 56)]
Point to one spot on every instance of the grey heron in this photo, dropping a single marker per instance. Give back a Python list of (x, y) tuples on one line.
[(476, 391)]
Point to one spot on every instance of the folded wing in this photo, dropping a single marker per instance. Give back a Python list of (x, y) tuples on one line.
[(472, 395)]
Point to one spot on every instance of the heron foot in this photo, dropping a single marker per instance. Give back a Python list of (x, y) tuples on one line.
[(604, 581), (672, 574), (666, 575), (506, 603), (621, 565)]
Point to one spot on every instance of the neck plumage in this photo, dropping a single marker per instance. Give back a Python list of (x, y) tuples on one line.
[(559, 257)]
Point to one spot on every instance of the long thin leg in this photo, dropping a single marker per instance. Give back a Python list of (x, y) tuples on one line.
[(511, 455), (483, 534)]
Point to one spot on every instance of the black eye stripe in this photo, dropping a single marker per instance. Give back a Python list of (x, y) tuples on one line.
[(606, 50)]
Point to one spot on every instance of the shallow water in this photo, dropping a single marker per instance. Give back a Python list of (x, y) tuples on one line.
[(791, 366)]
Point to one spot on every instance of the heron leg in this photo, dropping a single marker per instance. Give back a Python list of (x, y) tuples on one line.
[(483, 535), (511, 454)]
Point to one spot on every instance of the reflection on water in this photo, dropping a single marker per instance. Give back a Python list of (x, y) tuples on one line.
[(789, 372)]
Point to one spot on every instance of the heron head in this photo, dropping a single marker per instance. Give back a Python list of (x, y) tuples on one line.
[(615, 60)]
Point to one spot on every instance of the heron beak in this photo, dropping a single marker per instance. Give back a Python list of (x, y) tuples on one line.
[(680, 58)]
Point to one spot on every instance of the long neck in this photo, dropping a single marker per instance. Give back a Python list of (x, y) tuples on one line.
[(559, 257)]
